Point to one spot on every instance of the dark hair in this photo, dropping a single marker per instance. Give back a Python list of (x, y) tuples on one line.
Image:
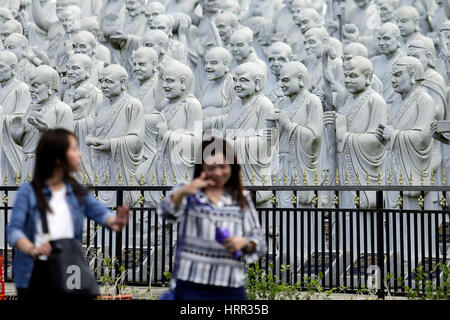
[(234, 184), (51, 149)]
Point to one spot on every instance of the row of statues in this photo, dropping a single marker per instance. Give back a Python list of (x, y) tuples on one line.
[(300, 88)]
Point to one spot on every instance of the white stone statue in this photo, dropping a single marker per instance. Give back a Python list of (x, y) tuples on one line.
[(366, 16), (10, 27), (92, 25), (45, 111), (85, 42), (18, 44), (443, 64), (84, 98), (409, 136), (279, 54), (152, 10), (14, 100), (226, 23), (300, 125), (117, 137), (241, 43), (246, 128), (388, 10), (305, 19), (179, 127), (53, 29), (361, 152), (408, 23), (36, 36), (159, 41), (144, 88), (388, 39), (218, 94)]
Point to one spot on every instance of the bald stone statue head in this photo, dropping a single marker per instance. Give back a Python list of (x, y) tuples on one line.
[(5, 15), (293, 78), (113, 81), (84, 42), (354, 49), (44, 84), (8, 66), (241, 42), (407, 20), (61, 5), (10, 27), (209, 7), (387, 9), (152, 10), (144, 61), (134, 7), (164, 23), (248, 79), (315, 40), (279, 53), (18, 44), (71, 19), (217, 63), (177, 80), (407, 73), (358, 74), (388, 39), (226, 23), (350, 33), (90, 24), (157, 40), (423, 51), (231, 6), (307, 18), (78, 68)]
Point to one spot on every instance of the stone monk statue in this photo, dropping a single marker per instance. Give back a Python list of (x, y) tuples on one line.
[(84, 98), (409, 136), (178, 130), (299, 119), (246, 128), (14, 99), (279, 54), (144, 88), (360, 151), (117, 137), (218, 94), (45, 111)]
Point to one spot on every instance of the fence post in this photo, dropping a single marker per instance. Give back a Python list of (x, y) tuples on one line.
[(118, 264), (2, 279), (380, 242)]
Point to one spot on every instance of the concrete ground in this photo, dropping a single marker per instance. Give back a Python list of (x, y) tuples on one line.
[(145, 293)]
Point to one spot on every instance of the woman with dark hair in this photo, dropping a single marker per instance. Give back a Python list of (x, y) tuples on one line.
[(220, 227), (54, 191)]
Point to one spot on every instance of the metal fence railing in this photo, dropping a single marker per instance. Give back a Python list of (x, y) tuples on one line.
[(349, 247)]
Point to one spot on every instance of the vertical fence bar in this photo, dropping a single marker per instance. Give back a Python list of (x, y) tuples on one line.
[(387, 233), (366, 240), (163, 245), (338, 228), (380, 238), (134, 247), (274, 241), (127, 249), (288, 245), (358, 246), (402, 243), (119, 202), (5, 240), (416, 245), (141, 245), (316, 242), (408, 241), (430, 246), (352, 258), (295, 243), (323, 247), (281, 228), (394, 247), (422, 238)]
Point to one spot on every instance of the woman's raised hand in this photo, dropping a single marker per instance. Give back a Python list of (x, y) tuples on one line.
[(197, 184)]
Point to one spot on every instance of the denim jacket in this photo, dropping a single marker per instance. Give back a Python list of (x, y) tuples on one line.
[(26, 215)]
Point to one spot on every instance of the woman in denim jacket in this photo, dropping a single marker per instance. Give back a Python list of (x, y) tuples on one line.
[(66, 203)]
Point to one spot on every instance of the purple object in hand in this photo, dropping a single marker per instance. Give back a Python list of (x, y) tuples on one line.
[(221, 235)]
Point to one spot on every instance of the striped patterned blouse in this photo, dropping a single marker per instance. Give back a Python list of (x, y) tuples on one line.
[(203, 259)]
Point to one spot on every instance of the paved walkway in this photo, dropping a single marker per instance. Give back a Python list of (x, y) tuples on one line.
[(145, 293)]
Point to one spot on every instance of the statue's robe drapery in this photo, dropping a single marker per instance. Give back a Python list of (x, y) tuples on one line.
[(146, 93), (57, 114), (84, 101), (24, 70), (122, 123), (174, 158), (299, 146), (244, 130), (436, 87), (360, 152), (36, 36), (411, 142), (14, 99)]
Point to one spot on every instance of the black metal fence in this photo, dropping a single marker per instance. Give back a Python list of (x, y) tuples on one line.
[(349, 248)]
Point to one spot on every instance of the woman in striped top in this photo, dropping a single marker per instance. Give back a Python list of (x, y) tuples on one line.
[(212, 262)]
